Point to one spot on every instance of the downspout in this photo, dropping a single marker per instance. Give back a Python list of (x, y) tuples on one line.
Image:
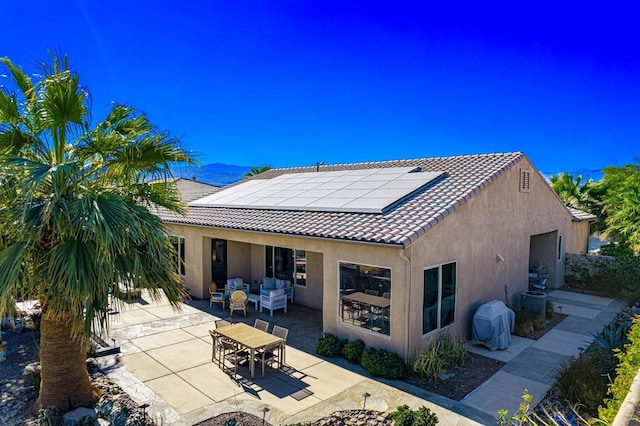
[(407, 301)]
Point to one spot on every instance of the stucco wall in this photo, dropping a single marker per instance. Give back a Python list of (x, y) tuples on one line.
[(500, 219), (578, 238)]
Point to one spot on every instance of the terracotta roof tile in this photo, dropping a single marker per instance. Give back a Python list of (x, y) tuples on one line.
[(401, 225)]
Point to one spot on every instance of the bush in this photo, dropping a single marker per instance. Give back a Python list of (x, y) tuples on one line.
[(352, 351), (385, 364), (444, 354), (527, 322), (404, 416), (582, 381), (626, 371), (329, 345)]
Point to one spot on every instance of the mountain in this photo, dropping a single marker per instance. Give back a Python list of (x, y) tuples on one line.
[(216, 173)]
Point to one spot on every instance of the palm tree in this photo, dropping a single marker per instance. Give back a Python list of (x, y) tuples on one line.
[(574, 193), (256, 171), (75, 216)]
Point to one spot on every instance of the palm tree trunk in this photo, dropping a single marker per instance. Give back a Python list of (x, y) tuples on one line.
[(64, 378)]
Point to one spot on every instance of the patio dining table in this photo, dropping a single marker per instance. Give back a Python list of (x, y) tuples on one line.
[(250, 338), (373, 304)]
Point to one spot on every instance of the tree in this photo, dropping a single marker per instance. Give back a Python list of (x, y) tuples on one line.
[(574, 193), (76, 215), (256, 171), (620, 187)]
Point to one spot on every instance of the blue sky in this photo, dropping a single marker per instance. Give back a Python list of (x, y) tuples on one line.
[(288, 83)]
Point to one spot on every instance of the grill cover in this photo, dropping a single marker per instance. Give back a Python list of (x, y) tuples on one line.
[(493, 323)]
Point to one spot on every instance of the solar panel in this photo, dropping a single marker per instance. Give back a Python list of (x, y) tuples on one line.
[(354, 191)]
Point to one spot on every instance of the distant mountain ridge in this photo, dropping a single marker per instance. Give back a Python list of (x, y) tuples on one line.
[(218, 174), (221, 174)]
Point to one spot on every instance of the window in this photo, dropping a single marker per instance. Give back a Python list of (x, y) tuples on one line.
[(560, 247), (365, 297), (439, 300), (178, 253), (287, 264), (524, 180)]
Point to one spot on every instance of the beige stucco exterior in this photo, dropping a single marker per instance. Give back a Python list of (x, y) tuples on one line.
[(494, 238)]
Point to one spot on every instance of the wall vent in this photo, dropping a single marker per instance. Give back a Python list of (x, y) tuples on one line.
[(525, 175)]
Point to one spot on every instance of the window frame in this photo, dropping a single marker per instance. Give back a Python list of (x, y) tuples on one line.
[(439, 267), (270, 267), (179, 242), (341, 322)]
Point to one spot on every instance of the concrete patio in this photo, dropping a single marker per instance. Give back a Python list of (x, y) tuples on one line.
[(166, 362)]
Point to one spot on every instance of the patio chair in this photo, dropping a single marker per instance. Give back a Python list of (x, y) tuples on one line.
[(238, 302), (371, 292), (386, 295), (277, 299), (282, 333), (217, 296), (541, 286), (353, 310), (267, 355), (261, 324), (222, 322)]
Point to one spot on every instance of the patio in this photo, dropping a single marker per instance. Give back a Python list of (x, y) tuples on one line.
[(166, 363)]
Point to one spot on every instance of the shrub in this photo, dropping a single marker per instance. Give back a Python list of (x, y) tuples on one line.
[(582, 381), (329, 345), (629, 363), (613, 336), (444, 354), (352, 351), (527, 322), (385, 364), (404, 416)]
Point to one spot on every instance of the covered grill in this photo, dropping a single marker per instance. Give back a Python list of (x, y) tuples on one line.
[(493, 323)]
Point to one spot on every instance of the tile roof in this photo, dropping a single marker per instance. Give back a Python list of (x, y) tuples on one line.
[(579, 215), (401, 226)]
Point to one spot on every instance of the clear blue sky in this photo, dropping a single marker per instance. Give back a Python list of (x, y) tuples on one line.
[(289, 83)]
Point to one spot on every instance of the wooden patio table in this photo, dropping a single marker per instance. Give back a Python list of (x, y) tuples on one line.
[(251, 338), (369, 300)]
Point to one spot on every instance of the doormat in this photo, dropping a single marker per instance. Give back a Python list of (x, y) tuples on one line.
[(301, 394)]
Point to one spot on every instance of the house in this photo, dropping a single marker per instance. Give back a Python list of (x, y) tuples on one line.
[(392, 252)]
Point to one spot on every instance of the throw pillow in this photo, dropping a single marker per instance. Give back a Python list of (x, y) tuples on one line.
[(280, 284), (269, 283)]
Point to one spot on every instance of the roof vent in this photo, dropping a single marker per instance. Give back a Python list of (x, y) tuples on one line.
[(525, 175), (416, 170)]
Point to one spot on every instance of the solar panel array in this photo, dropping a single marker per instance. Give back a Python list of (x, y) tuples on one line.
[(353, 191)]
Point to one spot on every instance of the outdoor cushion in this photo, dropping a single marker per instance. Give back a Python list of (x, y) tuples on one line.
[(280, 284), (275, 293), (264, 292), (269, 283)]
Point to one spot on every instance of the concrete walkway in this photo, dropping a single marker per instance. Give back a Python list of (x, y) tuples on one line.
[(166, 363), (532, 364)]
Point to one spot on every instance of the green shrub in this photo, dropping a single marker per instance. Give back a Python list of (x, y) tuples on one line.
[(352, 351), (446, 353), (385, 364), (582, 381), (629, 363), (329, 345), (404, 416), (613, 336)]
